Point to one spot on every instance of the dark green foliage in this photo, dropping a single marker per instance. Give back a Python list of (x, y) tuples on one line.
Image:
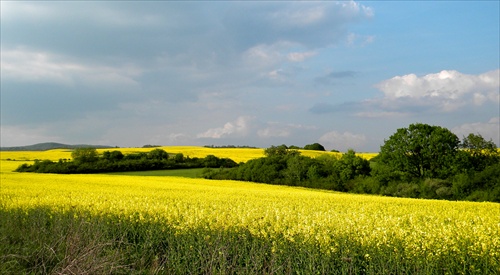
[(113, 156), (315, 146), (150, 146), (158, 154), (179, 157), (350, 166), (421, 151), (288, 167), (212, 161), (478, 152), (420, 161), (425, 161), (84, 155), (86, 160), (281, 150), (436, 189)]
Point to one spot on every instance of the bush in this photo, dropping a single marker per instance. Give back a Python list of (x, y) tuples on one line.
[(84, 155), (364, 185), (429, 189), (314, 146)]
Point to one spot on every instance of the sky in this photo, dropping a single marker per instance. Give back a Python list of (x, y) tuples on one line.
[(345, 74)]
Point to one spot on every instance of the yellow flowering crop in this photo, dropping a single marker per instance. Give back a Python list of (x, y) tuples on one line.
[(376, 233), (420, 229)]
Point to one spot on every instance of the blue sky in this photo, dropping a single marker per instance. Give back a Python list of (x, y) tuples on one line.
[(345, 74)]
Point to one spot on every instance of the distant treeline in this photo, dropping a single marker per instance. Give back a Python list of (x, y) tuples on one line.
[(421, 161), (87, 160), (229, 146), (315, 147)]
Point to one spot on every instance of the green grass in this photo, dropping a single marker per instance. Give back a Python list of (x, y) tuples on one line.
[(187, 173)]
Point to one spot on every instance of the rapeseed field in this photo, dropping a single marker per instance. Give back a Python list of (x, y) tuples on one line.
[(172, 225)]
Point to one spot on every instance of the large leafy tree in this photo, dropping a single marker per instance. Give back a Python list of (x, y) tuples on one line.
[(421, 151), (479, 152)]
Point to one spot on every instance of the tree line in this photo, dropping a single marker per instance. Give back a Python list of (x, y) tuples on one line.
[(88, 160), (420, 161)]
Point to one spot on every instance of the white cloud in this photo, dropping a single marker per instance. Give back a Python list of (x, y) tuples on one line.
[(300, 56), (277, 75), (489, 130), (240, 127), (299, 16), (342, 141), (24, 65), (264, 55), (446, 90), (308, 14), (273, 132), (351, 7)]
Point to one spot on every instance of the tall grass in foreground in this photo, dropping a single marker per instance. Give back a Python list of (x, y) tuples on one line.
[(99, 224), (43, 242)]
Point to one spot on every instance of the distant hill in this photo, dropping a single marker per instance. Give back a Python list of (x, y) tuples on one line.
[(49, 146)]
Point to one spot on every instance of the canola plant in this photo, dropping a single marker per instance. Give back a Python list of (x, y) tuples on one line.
[(295, 229)]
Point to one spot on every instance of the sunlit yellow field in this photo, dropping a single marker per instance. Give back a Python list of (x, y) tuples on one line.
[(368, 230)]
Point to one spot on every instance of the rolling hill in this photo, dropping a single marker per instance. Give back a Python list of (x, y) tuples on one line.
[(49, 146)]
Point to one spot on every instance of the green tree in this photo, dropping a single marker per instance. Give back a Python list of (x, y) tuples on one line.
[(84, 155), (315, 146), (158, 154), (479, 152), (211, 161), (421, 151), (350, 166), (281, 151), (296, 169), (179, 157), (112, 156)]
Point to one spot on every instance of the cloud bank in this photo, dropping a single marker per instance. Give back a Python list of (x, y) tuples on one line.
[(251, 73), (447, 90)]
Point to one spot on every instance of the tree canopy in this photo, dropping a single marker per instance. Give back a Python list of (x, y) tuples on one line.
[(84, 155), (421, 151), (281, 151), (315, 146), (479, 152)]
